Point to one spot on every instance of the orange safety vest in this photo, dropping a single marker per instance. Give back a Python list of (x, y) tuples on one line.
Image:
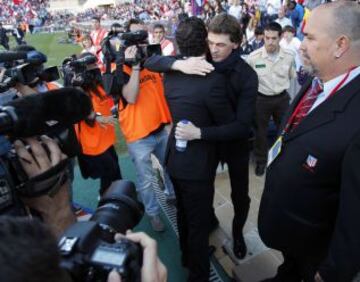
[(149, 111), (96, 139)]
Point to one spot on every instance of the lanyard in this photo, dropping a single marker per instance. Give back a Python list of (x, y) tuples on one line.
[(332, 93)]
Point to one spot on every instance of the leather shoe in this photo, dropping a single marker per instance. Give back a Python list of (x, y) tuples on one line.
[(260, 169), (239, 247)]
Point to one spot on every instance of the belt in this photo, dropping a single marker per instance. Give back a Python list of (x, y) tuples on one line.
[(273, 95)]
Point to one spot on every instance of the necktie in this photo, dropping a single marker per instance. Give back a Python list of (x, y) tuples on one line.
[(307, 102)]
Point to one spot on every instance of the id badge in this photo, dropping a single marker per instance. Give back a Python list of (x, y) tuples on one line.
[(274, 151)]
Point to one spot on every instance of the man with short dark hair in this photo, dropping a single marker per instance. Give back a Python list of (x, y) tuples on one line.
[(275, 68), (167, 47), (28, 252), (224, 38), (203, 101)]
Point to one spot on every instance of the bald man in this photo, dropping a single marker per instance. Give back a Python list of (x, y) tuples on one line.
[(310, 207)]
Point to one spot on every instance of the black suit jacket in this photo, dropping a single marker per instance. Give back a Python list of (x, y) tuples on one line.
[(203, 101), (300, 205)]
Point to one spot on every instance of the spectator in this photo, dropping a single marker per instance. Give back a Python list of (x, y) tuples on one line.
[(167, 47)]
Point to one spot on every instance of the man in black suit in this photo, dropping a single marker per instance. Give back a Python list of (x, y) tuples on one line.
[(202, 100), (224, 39), (311, 202)]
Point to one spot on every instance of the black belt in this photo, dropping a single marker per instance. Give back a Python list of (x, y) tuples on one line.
[(273, 95)]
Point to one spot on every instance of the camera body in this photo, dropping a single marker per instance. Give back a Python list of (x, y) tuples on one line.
[(89, 258), (27, 71), (116, 43), (74, 69), (88, 249)]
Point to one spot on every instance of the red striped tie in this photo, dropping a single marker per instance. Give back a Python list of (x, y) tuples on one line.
[(307, 102)]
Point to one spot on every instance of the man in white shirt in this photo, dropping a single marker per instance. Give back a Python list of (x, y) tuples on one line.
[(282, 20), (235, 10)]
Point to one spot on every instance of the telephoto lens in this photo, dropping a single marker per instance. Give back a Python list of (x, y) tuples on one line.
[(118, 210)]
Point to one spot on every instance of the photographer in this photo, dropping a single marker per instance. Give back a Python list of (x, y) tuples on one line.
[(143, 117), (36, 159), (41, 259), (96, 134)]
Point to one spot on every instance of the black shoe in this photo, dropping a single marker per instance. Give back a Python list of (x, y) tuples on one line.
[(239, 247), (260, 169)]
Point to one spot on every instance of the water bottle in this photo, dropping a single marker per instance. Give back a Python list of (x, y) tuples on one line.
[(181, 143)]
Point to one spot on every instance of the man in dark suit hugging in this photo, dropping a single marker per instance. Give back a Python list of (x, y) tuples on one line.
[(203, 101)]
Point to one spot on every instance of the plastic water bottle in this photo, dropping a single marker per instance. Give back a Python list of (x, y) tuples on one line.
[(181, 143)]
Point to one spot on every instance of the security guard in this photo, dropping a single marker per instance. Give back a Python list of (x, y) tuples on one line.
[(275, 67)]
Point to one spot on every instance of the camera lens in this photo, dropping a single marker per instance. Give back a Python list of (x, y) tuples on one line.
[(118, 209)]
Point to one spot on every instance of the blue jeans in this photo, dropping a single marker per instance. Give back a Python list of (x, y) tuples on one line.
[(140, 152)]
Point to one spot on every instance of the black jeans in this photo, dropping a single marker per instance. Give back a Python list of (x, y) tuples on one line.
[(267, 107), (194, 207)]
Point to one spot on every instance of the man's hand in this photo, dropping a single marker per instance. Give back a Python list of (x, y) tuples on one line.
[(193, 65), (106, 120), (187, 131), (130, 54), (153, 270), (55, 211)]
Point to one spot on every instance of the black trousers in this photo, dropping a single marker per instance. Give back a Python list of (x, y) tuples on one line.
[(237, 159), (266, 108), (194, 207), (104, 166), (296, 268)]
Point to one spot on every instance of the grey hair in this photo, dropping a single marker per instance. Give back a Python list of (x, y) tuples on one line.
[(346, 16)]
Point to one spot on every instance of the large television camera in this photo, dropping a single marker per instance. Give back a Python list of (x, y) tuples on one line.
[(25, 68), (74, 69), (113, 49), (52, 113), (88, 249)]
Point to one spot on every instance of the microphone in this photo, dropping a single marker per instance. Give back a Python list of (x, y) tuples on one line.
[(35, 114), (32, 57), (10, 56)]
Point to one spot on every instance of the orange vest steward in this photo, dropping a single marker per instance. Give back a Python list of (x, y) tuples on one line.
[(96, 139), (149, 111)]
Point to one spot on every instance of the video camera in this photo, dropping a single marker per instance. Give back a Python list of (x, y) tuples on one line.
[(25, 68), (113, 47), (52, 113), (88, 249), (118, 42), (74, 69)]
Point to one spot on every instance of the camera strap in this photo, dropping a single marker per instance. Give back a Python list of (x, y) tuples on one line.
[(48, 182)]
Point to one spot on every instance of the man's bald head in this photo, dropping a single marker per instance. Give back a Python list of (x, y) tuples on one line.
[(344, 19)]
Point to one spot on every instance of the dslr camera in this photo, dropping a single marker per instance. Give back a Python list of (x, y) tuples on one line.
[(88, 250)]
